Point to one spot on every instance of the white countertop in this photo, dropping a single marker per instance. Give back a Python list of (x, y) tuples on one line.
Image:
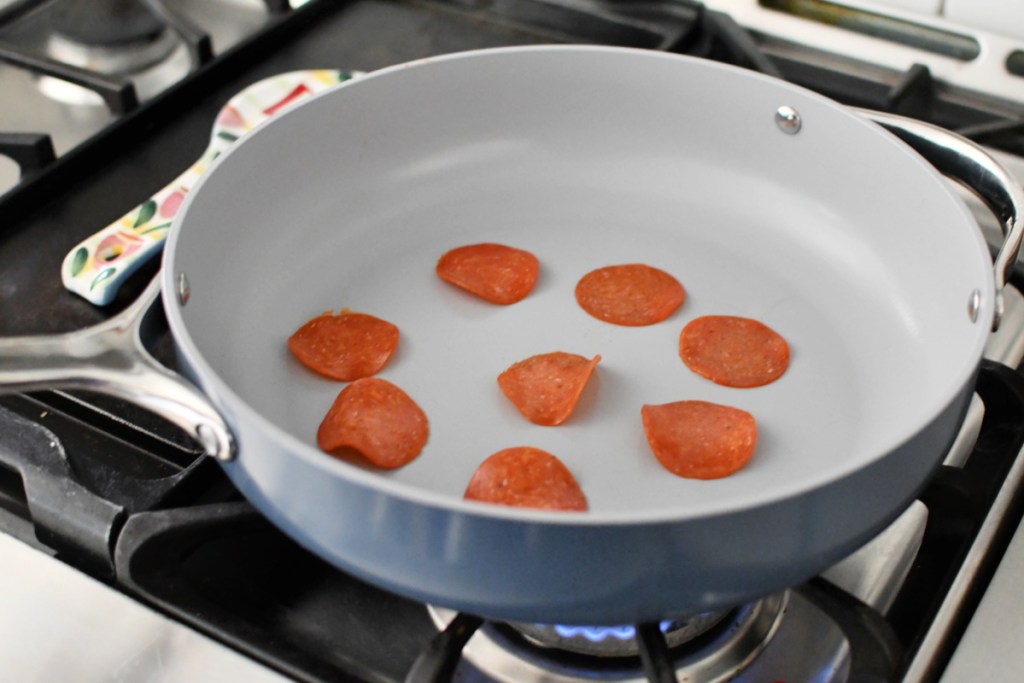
[(57, 624), (990, 650)]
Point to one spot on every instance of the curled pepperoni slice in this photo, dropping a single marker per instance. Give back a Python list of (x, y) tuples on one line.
[(733, 351), (700, 440), (499, 274), (632, 295), (545, 388), (346, 346), (379, 420), (526, 477)]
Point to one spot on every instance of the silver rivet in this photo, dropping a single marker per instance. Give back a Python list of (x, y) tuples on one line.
[(974, 305), (183, 291), (788, 120), (211, 443)]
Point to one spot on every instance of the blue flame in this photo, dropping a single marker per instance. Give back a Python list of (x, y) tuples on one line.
[(597, 634)]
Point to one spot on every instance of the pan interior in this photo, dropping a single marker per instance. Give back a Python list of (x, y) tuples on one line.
[(838, 238)]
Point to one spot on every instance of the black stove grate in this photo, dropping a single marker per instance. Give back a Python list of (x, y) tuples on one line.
[(136, 119)]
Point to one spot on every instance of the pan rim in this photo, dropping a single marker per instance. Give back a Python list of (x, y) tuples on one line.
[(228, 401)]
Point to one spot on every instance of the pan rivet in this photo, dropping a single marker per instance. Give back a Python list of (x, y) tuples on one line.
[(788, 120), (183, 291), (974, 305)]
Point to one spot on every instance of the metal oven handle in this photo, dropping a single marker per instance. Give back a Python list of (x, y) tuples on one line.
[(964, 161)]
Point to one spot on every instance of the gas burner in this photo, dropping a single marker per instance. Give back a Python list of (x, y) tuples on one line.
[(109, 25), (612, 641), (710, 647), (168, 62), (128, 57), (119, 38)]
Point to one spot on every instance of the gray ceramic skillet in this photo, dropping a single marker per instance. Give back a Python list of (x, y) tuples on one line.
[(833, 232)]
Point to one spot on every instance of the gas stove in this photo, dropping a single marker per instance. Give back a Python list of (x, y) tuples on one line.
[(110, 519)]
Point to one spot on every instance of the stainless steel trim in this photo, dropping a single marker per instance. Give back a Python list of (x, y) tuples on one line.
[(985, 75), (967, 438), (876, 572), (921, 667), (989, 650)]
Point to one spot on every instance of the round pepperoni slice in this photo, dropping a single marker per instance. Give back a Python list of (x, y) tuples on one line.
[(346, 346), (545, 388), (632, 295), (494, 272), (526, 477), (700, 440), (733, 351), (379, 420)]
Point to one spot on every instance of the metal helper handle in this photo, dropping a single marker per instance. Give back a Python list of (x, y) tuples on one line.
[(110, 358), (964, 161)]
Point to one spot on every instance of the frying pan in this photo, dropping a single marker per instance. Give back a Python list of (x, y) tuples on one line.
[(763, 199)]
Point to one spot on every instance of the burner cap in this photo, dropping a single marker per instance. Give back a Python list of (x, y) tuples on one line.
[(120, 38), (106, 23)]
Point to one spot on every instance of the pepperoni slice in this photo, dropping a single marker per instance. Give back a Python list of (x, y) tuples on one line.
[(545, 388), (733, 351), (346, 346), (494, 272), (700, 440), (632, 295), (379, 420), (526, 477)]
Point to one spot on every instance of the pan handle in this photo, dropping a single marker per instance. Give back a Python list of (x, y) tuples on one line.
[(964, 161), (110, 358)]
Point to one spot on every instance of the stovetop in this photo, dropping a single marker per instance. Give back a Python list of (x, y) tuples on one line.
[(159, 523)]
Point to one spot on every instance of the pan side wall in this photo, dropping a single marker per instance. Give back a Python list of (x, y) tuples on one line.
[(504, 568)]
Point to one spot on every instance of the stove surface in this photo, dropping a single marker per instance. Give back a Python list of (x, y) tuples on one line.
[(206, 584)]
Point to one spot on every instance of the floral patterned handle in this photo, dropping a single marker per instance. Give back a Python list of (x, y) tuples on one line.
[(97, 267)]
